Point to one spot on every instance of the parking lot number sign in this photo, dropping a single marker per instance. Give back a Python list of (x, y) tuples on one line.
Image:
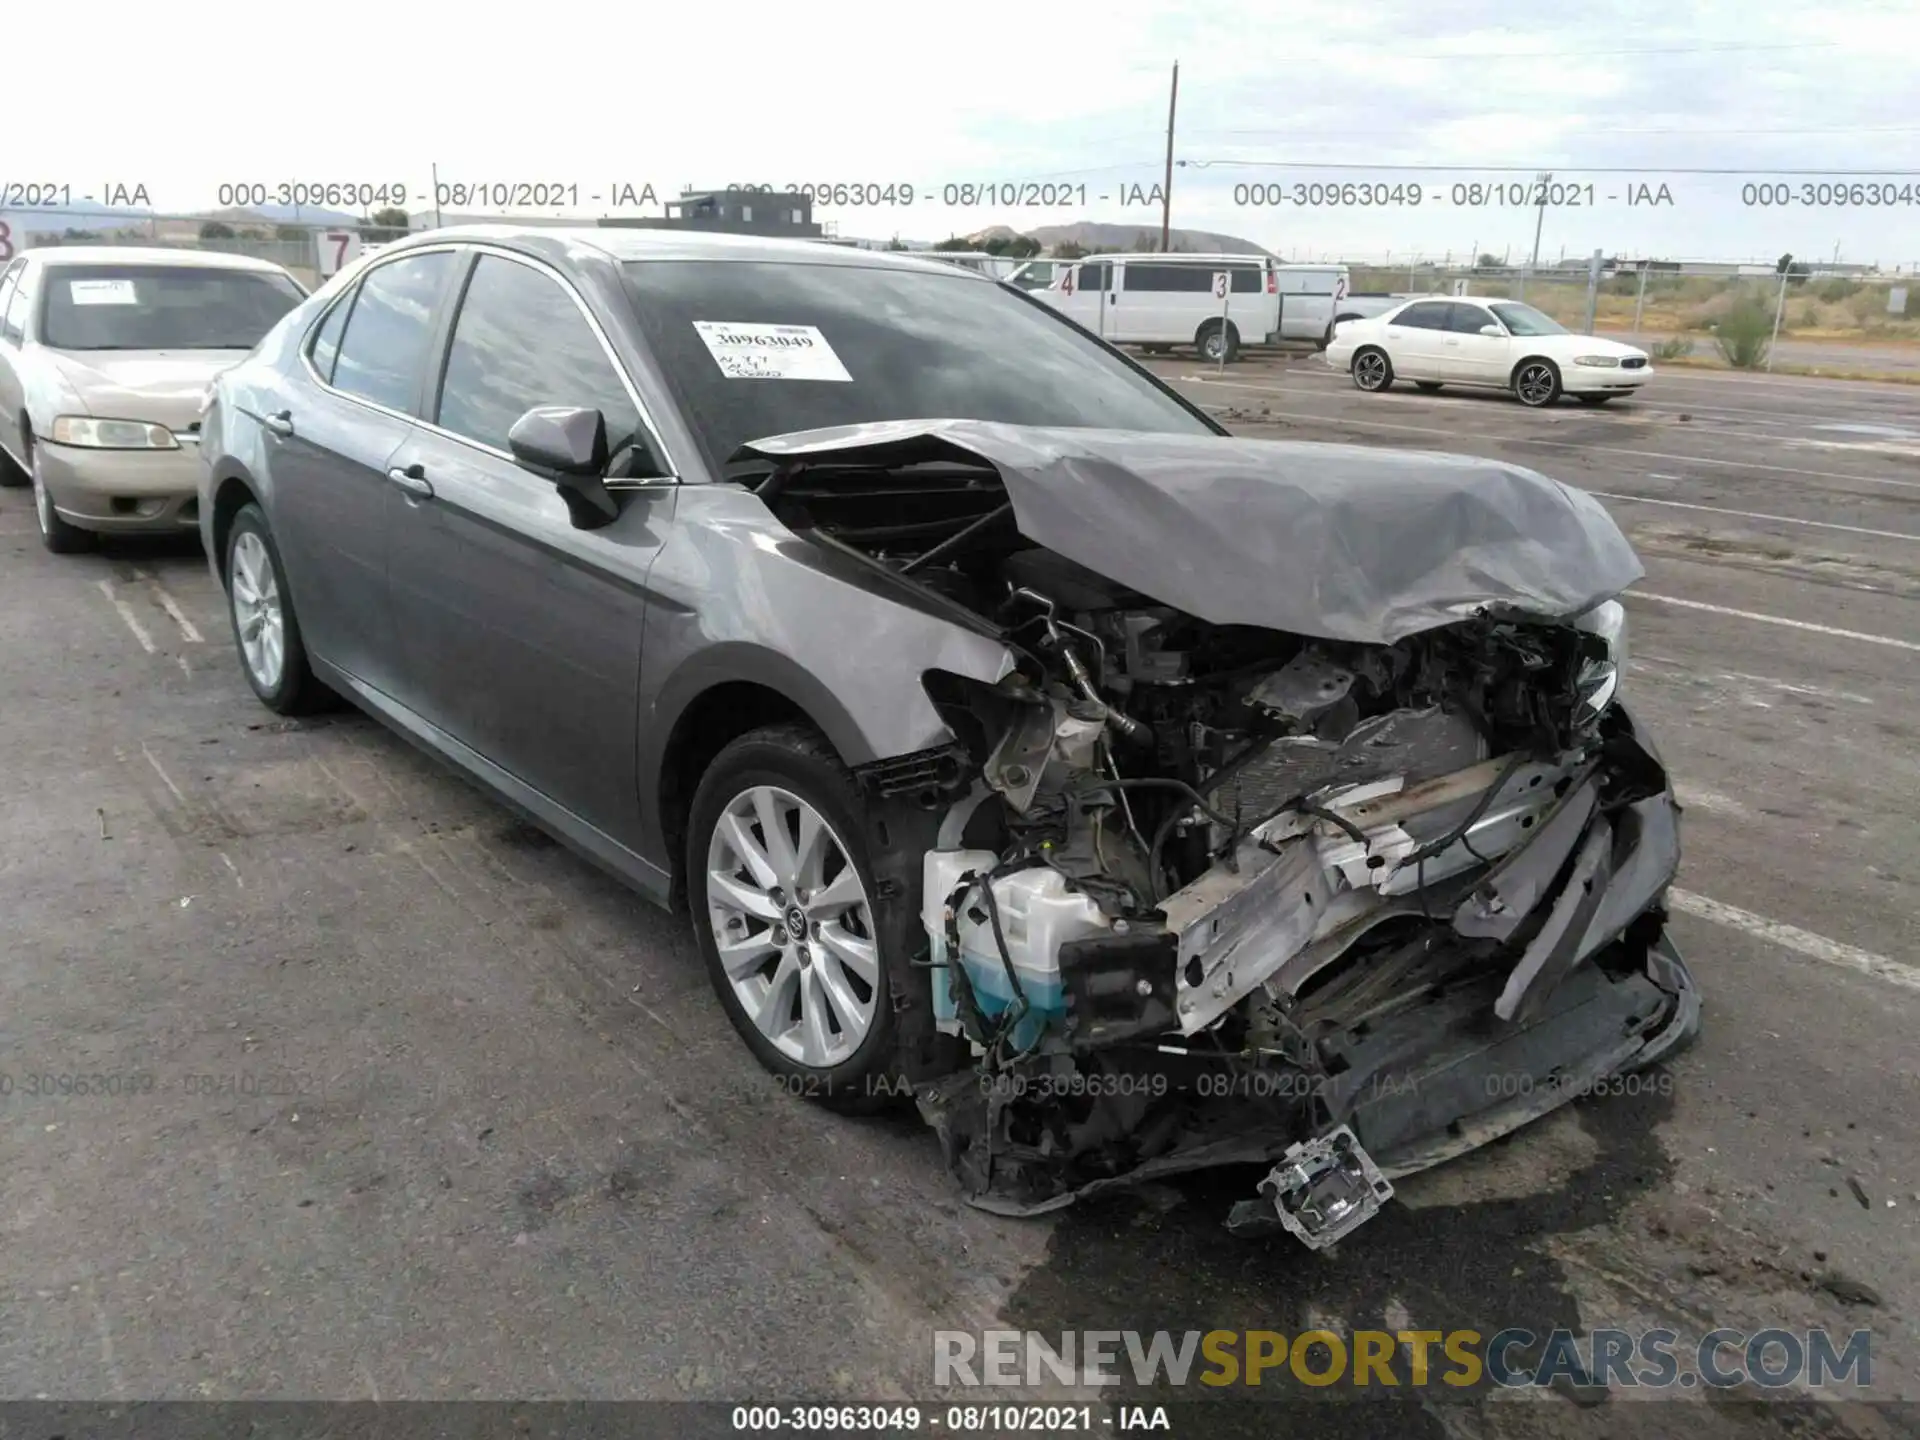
[(1221, 280), (337, 248), (1897, 300)]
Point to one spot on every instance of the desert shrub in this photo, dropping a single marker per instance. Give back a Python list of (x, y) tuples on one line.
[(1674, 347), (1744, 334)]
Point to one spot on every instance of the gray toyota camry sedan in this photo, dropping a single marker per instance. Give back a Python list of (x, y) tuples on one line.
[(1134, 797)]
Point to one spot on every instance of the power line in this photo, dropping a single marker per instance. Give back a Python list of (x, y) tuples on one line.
[(1583, 54), (1421, 166), (1625, 130)]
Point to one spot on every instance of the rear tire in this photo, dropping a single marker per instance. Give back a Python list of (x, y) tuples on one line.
[(813, 943), (55, 533), (1214, 338), (1372, 370), (266, 632)]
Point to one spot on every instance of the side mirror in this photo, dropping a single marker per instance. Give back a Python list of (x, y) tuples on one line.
[(568, 446), (1493, 330)]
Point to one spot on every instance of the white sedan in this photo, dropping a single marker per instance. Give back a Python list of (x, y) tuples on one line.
[(1497, 344)]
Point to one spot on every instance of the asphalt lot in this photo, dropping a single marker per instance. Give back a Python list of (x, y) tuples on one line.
[(437, 1111)]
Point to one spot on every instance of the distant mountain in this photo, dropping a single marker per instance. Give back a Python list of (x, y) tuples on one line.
[(81, 215), (305, 214)]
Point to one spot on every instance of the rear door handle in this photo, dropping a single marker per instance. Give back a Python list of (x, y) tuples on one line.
[(413, 480), (280, 422)]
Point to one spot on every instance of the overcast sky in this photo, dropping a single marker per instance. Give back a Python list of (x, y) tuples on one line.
[(1302, 93)]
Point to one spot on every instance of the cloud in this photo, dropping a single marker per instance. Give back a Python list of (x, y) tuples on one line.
[(861, 90)]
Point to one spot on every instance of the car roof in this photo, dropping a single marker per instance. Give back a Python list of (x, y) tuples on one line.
[(1187, 257), (633, 244), (62, 255)]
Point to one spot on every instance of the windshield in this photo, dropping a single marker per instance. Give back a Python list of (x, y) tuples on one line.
[(1525, 320), (754, 349), (156, 307)]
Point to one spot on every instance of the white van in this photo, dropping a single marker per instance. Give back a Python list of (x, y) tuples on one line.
[(1159, 301)]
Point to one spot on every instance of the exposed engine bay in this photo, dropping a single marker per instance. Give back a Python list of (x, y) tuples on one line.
[(1213, 893)]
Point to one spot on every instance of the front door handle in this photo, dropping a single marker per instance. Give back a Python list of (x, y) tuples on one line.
[(413, 480), (280, 422)]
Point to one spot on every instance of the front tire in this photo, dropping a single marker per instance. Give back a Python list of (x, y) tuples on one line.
[(800, 943), (55, 533), (1372, 370), (1536, 383), (265, 630)]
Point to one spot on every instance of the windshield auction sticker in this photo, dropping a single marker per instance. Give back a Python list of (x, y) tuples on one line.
[(102, 292), (770, 352)]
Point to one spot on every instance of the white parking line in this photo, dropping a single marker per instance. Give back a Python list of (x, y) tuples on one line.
[(1548, 444), (170, 605), (126, 614), (1792, 937), (1755, 515), (178, 794), (1771, 619)]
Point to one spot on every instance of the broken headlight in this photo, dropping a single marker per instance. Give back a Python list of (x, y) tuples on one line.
[(1600, 679)]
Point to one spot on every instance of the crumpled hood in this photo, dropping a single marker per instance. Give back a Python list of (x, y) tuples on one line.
[(164, 387), (1336, 541)]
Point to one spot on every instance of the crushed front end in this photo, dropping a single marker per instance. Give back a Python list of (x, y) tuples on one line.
[(1225, 893)]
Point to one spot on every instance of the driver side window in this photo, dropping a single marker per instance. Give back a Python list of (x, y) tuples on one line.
[(1468, 319), (521, 341)]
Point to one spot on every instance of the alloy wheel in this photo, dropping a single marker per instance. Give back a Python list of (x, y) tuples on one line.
[(258, 617), (1370, 370), (793, 926), (1535, 384)]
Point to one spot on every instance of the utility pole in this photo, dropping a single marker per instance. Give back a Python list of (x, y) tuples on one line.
[(1542, 180), (1166, 190)]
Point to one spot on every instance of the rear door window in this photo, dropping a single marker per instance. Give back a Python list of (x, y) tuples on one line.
[(383, 354), (1146, 276), (1428, 315), (326, 341)]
